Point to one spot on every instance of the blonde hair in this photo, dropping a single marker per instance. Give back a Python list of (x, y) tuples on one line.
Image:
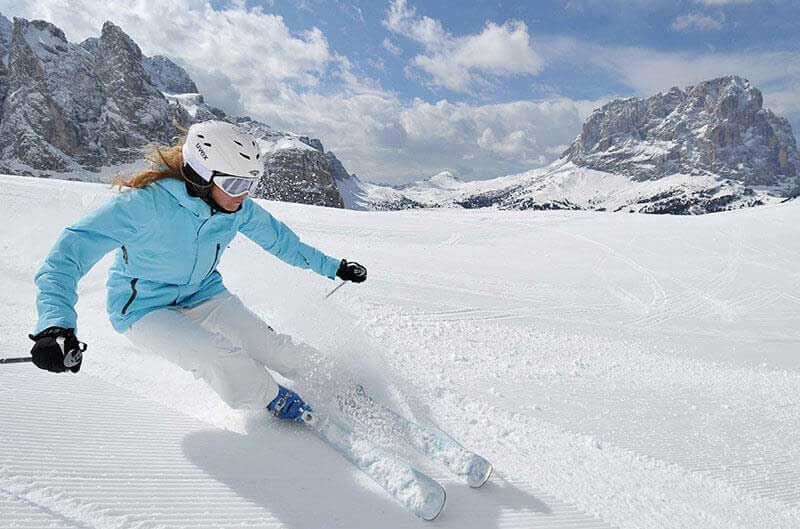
[(162, 162)]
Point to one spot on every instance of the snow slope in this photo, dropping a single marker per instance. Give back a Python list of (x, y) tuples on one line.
[(619, 370)]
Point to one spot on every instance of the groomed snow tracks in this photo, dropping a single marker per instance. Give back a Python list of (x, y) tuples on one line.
[(79, 452)]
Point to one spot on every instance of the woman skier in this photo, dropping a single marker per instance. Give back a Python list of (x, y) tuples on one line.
[(164, 291)]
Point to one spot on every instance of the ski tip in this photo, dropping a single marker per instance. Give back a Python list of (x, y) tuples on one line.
[(430, 515), (479, 473)]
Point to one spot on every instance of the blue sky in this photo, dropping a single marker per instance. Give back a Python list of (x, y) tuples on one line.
[(403, 89), (358, 30)]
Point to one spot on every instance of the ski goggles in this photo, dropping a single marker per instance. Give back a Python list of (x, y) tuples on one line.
[(234, 186)]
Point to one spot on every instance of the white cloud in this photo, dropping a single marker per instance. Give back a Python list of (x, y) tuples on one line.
[(391, 47), (460, 62), (482, 141), (247, 48), (249, 61), (647, 72), (698, 22), (386, 139), (785, 101)]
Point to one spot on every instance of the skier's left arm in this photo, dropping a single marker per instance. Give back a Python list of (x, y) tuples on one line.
[(279, 240)]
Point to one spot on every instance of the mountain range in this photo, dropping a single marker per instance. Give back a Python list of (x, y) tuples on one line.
[(86, 111), (705, 148)]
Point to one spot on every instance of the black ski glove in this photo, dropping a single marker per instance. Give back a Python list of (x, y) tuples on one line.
[(57, 349), (351, 272)]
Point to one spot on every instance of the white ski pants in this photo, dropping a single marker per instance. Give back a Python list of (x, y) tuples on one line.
[(224, 343)]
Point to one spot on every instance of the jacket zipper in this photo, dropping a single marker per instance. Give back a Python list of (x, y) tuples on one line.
[(196, 247), (216, 256), (133, 295), (125, 254)]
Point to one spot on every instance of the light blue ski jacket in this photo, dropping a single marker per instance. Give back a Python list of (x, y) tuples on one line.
[(169, 245)]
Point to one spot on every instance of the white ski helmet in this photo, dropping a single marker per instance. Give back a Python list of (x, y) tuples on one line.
[(218, 147)]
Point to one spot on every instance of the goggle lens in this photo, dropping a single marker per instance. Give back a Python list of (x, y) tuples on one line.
[(235, 186)]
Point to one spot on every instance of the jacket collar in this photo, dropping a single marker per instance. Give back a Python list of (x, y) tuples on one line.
[(177, 188)]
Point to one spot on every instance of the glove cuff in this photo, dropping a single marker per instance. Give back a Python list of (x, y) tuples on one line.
[(52, 332)]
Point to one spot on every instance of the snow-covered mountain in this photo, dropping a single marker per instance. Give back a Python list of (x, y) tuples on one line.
[(706, 148), (83, 111), (73, 108), (717, 127), (441, 190)]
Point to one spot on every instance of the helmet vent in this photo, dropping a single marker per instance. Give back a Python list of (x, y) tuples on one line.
[(238, 143), (201, 136), (207, 144), (258, 155), (243, 155)]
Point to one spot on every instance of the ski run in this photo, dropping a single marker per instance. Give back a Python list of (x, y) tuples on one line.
[(617, 370)]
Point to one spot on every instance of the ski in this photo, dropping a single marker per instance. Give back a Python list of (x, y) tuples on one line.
[(417, 492), (432, 443)]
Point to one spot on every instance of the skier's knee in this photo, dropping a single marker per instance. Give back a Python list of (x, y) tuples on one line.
[(241, 382)]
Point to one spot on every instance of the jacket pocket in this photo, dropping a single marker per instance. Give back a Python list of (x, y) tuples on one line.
[(216, 256), (133, 295)]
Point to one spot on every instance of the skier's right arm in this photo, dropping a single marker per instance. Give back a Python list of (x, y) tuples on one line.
[(77, 250)]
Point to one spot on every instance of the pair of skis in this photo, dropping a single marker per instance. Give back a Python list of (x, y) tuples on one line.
[(416, 491)]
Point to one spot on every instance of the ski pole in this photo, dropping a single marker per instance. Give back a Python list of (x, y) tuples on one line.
[(332, 292), (16, 360)]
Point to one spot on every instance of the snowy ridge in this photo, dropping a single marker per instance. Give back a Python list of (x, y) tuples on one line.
[(704, 149), (563, 185), (619, 371)]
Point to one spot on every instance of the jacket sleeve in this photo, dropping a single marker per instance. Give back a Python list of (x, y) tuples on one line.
[(276, 238), (77, 250)]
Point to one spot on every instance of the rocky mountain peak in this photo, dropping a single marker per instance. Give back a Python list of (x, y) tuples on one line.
[(112, 32), (42, 38), (730, 97), (138, 112), (168, 76), (117, 51), (74, 109), (715, 127), (44, 26), (77, 107)]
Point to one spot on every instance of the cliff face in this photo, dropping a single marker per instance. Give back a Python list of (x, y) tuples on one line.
[(70, 110), (168, 76), (299, 176), (69, 107), (717, 127)]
